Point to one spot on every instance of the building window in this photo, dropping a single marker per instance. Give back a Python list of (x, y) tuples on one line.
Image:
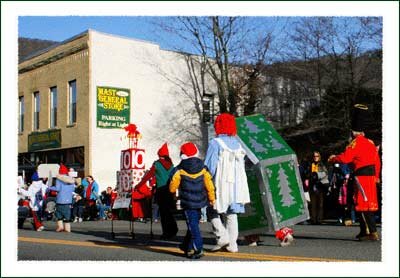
[(53, 107), (21, 113), (72, 101), (36, 110)]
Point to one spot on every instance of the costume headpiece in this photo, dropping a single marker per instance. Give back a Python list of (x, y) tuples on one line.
[(225, 124)]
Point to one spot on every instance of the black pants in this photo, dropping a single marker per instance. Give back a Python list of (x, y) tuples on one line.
[(90, 209), (317, 206), (166, 206), (367, 221)]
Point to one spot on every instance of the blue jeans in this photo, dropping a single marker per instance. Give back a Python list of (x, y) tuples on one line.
[(193, 239), (156, 212), (204, 213), (102, 209), (63, 212)]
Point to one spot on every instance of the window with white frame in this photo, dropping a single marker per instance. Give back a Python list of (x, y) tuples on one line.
[(72, 101), (53, 107), (21, 113), (36, 110)]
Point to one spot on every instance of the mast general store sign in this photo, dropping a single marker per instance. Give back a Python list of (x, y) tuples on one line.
[(44, 140), (113, 107)]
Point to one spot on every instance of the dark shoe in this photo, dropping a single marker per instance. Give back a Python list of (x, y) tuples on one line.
[(362, 235), (188, 253), (197, 255), (183, 248), (166, 237)]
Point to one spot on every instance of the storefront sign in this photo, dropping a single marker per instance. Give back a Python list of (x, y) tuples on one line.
[(44, 140), (113, 107)]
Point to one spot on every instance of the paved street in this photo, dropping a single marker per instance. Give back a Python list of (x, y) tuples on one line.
[(93, 241)]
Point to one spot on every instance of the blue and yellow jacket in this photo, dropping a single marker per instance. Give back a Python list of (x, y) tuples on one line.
[(194, 182)]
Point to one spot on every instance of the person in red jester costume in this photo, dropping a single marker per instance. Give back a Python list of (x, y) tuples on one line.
[(363, 156), (160, 170)]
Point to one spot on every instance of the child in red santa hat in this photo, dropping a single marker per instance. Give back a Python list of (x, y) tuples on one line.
[(196, 190)]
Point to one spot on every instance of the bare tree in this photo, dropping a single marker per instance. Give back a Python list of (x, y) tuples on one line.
[(336, 56), (234, 59)]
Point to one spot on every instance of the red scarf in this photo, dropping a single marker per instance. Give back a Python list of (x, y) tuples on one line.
[(89, 191)]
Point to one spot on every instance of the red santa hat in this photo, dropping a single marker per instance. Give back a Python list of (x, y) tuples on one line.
[(163, 151), (63, 170), (189, 150), (285, 235), (225, 124)]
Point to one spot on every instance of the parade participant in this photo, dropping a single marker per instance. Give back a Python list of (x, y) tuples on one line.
[(196, 190), (160, 170), (225, 160), (141, 198), (65, 186), (318, 183), (363, 156), (36, 193)]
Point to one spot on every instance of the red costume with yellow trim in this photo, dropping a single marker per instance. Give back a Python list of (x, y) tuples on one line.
[(362, 153)]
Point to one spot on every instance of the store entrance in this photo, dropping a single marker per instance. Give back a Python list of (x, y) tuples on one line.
[(71, 157)]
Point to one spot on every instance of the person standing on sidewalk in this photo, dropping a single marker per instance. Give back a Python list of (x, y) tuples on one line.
[(196, 190), (363, 156), (91, 196), (318, 185), (79, 202)]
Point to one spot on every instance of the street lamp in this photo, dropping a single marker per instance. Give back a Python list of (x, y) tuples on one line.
[(208, 108)]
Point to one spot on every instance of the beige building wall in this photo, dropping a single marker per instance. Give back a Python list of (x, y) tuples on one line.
[(64, 63)]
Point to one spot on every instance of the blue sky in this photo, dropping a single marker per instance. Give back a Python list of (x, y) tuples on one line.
[(59, 28)]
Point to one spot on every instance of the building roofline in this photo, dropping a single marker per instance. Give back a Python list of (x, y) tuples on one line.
[(42, 51), (124, 37)]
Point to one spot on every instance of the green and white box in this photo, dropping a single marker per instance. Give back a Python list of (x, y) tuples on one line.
[(275, 173)]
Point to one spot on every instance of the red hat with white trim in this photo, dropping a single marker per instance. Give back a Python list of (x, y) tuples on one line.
[(189, 150)]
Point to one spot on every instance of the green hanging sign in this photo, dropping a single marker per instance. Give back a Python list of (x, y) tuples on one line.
[(50, 139), (113, 107)]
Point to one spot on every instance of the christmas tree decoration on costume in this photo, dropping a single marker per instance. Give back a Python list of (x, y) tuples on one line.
[(276, 192)]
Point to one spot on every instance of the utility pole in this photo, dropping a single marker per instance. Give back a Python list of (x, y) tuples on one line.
[(208, 117)]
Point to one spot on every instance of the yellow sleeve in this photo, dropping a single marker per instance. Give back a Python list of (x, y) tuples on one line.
[(209, 186), (175, 182)]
